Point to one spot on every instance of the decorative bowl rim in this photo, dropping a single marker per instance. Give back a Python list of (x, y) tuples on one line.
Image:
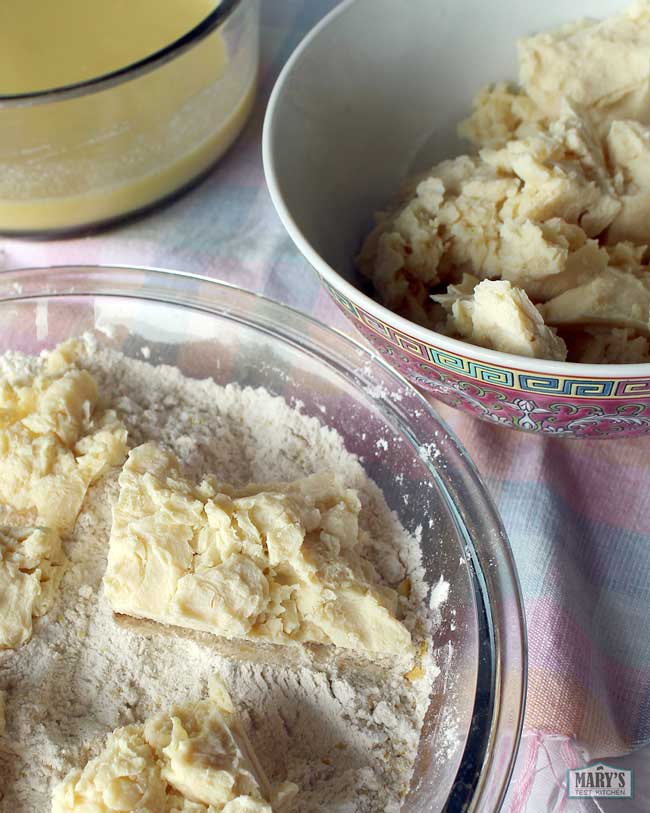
[(381, 312)]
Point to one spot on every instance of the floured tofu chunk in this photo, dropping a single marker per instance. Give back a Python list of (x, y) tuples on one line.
[(193, 759), (452, 220), (548, 258), (501, 114), (31, 566), (276, 563), (604, 66), (628, 257), (628, 148), (463, 290), (597, 344), (563, 174), (502, 317), (556, 202), (403, 253), (523, 213), (55, 440), (614, 297)]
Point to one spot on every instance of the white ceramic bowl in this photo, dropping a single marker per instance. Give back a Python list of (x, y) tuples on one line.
[(374, 94)]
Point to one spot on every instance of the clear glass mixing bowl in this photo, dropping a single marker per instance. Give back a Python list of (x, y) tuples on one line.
[(206, 328)]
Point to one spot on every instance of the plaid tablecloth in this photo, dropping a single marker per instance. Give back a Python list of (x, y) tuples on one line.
[(577, 512)]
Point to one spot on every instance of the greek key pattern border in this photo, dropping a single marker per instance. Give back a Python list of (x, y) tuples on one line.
[(499, 376)]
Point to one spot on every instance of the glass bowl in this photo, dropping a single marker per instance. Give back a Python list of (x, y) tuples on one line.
[(87, 154), (473, 724)]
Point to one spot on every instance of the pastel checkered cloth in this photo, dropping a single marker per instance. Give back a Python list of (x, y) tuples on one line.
[(576, 512)]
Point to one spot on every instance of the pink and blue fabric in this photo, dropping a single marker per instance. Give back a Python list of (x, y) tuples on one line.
[(577, 513)]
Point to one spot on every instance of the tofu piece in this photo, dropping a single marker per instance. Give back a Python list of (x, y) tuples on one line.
[(563, 174), (31, 567), (401, 255), (604, 345), (614, 297), (603, 66), (501, 114), (546, 259), (194, 758), (525, 213), (450, 222), (277, 563), (557, 203), (628, 257), (628, 148), (463, 290), (55, 441), (502, 317)]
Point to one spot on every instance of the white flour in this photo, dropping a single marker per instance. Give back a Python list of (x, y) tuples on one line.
[(347, 737)]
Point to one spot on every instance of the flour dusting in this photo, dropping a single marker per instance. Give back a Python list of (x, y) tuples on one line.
[(346, 735)]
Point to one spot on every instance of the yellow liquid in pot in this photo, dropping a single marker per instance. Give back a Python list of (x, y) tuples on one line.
[(74, 162), (51, 43)]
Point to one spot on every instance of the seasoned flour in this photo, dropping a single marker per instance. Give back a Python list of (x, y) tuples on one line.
[(347, 736)]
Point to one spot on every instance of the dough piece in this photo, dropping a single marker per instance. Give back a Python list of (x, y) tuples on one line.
[(614, 297), (31, 566), (501, 114), (603, 66), (194, 759), (603, 345), (628, 148), (523, 213), (276, 563), (55, 441), (502, 317)]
